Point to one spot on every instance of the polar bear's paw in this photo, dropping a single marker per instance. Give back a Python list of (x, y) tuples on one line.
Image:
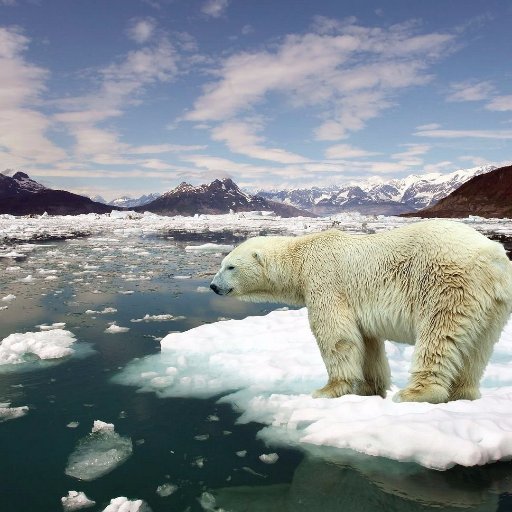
[(432, 393), (333, 389)]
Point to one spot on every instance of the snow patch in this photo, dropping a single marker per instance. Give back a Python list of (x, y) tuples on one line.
[(20, 348)]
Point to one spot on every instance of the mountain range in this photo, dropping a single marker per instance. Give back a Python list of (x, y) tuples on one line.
[(21, 195), (485, 195), (418, 195), (376, 195), (217, 197)]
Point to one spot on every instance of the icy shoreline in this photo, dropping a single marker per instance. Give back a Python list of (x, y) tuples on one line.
[(44, 228), (273, 364)]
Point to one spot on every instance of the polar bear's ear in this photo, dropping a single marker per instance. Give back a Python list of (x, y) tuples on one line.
[(258, 257)]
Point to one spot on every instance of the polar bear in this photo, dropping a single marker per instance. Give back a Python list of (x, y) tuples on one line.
[(437, 284)]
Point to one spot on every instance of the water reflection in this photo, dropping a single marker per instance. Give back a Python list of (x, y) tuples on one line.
[(365, 484)]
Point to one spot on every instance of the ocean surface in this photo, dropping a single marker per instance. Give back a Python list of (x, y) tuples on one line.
[(193, 450)]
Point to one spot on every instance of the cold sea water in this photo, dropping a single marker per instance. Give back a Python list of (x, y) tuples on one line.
[(187, 454)]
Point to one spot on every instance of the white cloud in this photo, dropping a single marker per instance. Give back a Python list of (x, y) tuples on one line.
[(468, 91), (23, 129), (500, 103), (142, 30), (345, 151), (121, 85), (214, 8), (411, 156), (430, 126), (460, 134), (348, 73), (162, 148), (241, 137)]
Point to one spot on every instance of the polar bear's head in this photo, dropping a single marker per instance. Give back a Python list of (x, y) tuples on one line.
[(243, 272)]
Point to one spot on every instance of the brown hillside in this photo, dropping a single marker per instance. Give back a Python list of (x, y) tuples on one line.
[(487, 195)]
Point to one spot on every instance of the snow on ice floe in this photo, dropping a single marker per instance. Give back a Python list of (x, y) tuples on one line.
[(123, 504), (10, 413), (75, 501), (116, 329), (266, 367), (156, 318), (20, 348), (210, 248), (99, 453), (123, 224)]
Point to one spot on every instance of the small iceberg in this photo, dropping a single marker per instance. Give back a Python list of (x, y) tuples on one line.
[(99, 453)]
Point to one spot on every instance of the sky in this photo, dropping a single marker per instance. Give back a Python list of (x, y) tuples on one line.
[(116, 97)]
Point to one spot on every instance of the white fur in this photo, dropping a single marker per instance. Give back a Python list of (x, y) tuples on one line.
[(438, 284)]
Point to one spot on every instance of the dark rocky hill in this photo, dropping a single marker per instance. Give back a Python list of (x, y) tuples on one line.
[(18, 185), (53, 202), (218, 197), (486, 195)]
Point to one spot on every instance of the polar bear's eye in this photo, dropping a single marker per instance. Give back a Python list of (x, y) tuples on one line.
[(231, 267)]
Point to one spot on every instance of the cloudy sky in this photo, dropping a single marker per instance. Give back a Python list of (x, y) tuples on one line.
[(119, 97)]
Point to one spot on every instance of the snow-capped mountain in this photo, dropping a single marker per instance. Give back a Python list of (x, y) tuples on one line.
[(485, 195), (217, 197), (18, 184), (21, 195), (131, 202), (377, 195)]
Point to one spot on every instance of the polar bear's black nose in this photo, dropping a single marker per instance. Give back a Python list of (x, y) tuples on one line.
[(215, 288)]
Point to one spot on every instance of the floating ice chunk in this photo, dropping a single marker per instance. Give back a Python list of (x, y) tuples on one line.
[(28, 279), (203, 289), (115, 329), (13, 254), (9, 298), (104, 311), (20, 348), (156, 318), (51, 327), (10, 413), (73, 424), (247, 355), (76, 501), (123, 504), (241, 453), (98, 453), (166, 489), (207, 501), (269, 458), (101, 426), (182, 277), (210, 248)]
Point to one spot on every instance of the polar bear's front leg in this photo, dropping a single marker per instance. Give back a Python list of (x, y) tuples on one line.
[(342, 348)]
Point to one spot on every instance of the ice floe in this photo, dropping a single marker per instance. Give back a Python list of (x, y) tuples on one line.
[(25, 347), (123, 504), (116, 329), (75, 501), (104, 311), (166, 489), (209, 247), (156, 318), (267, 366), (99, 453), (10, 413)]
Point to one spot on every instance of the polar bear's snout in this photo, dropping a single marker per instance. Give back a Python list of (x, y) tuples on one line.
[(219, 287)]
